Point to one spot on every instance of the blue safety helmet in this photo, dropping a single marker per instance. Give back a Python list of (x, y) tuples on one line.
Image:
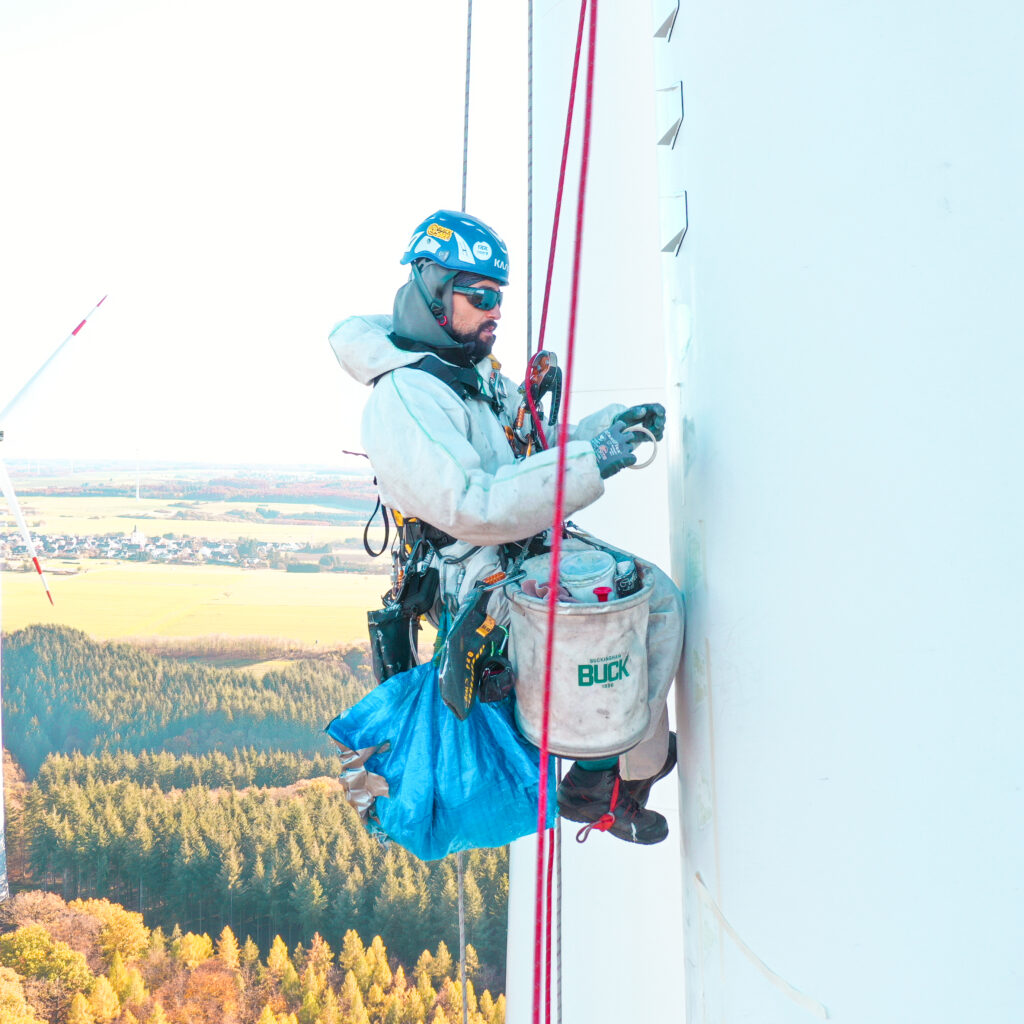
[(461, 242)]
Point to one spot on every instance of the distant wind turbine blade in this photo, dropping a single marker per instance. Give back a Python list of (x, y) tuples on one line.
[(21, 394), (12, 500)]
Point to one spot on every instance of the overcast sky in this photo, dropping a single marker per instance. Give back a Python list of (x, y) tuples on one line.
[(237, 177)]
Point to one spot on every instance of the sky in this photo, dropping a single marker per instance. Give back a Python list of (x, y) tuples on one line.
[(237, 177)]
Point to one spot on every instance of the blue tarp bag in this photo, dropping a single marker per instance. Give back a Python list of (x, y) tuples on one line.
[(432, 783)]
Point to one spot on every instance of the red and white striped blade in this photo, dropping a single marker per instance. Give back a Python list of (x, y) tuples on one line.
[(53, 355), (12, 500)]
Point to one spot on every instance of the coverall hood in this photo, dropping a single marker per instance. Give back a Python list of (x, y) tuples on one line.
[(362, 346), (412, 316)]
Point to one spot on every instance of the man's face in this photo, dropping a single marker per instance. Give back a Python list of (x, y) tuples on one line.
[(472, 325)]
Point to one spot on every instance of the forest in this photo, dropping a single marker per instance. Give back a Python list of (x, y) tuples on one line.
[(65, 692), (204, 799), (93, 962)]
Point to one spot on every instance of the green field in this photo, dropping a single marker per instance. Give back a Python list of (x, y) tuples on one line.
[(127, 600), (85, 517)]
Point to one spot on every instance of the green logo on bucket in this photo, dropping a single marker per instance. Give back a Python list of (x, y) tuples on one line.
[(603, 672)]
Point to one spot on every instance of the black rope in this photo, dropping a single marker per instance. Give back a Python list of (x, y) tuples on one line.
[(369, 523)]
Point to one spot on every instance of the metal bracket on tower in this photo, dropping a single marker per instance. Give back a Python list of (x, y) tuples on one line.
[(676, 242), (665, 32), (672, 135)]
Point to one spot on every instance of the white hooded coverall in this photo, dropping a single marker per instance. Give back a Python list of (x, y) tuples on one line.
[(447, 461)]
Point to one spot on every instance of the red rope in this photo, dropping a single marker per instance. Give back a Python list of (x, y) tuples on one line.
[(556, 533), (561, 176)]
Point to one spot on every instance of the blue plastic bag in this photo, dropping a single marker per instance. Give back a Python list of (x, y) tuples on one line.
[(451, 784)]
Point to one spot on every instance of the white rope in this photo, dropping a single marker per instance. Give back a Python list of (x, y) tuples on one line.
[(465, 120), (529, 180), (462, 936)]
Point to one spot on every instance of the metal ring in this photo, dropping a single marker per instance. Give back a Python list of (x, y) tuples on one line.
[(651, 438)]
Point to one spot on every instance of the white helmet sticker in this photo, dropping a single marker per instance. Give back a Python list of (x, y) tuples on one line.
[(427, 244), (482, 251), (464, 254)]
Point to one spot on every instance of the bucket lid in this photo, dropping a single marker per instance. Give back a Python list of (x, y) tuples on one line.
[(585, 565)]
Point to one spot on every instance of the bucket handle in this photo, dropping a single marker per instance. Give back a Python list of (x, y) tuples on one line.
[(651, 438)]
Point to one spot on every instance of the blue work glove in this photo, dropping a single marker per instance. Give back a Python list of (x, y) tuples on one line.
[(651, 416), (614, 449)]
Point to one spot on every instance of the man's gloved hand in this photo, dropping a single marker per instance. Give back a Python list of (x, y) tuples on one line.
[(651, 416), (614, 449)]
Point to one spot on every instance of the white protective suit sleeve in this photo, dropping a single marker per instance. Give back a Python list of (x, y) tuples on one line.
[(439, 461)]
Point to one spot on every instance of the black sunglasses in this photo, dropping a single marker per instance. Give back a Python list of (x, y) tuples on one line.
[(482, 298)]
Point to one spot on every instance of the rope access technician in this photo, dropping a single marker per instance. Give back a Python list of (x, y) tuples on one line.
[(437, 430)]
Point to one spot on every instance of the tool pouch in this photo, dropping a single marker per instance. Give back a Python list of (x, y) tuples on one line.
[(390, 641), (469, 643), (496, 679)]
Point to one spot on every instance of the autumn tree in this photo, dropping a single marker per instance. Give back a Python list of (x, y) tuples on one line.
[(79, 1012), (193, 949), (14, 1008), (227, 949), (103, 1002)]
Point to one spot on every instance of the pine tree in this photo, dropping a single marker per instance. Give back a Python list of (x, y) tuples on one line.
[(157, 1015), (118, 975), (80, 1012), (415, 1010), (443, 962), (498, 1013), (227, 949), (424, 966), (486, 1005), (278, 959), (250, 954), (103, 1002), (377, 959), (330, 1010), (353, 1007), (472, 961), (320, 955), (267, 1016)]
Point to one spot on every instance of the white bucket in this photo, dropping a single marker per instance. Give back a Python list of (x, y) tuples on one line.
[(598, 674)]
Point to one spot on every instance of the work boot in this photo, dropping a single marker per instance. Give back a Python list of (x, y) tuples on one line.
[(601, 800), (640, 789)]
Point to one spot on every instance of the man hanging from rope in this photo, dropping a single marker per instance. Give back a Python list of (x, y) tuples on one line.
[(435, 428)]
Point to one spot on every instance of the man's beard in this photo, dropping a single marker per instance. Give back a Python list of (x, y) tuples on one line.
[(473, 344)]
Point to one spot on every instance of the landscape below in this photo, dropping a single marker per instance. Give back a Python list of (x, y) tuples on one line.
[(178, 846)]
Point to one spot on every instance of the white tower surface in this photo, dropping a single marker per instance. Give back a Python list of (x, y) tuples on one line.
[(845, 311), (845, 365), (622, 948)]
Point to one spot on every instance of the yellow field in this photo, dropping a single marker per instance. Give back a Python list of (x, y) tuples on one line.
[(97, 516), (126, 599)]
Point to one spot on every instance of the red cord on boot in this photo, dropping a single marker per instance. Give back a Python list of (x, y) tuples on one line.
[(606, 820)]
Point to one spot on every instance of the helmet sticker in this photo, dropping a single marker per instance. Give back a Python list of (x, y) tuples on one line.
[(427, 244), (439, 232), (482, 251), (464, 254)]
